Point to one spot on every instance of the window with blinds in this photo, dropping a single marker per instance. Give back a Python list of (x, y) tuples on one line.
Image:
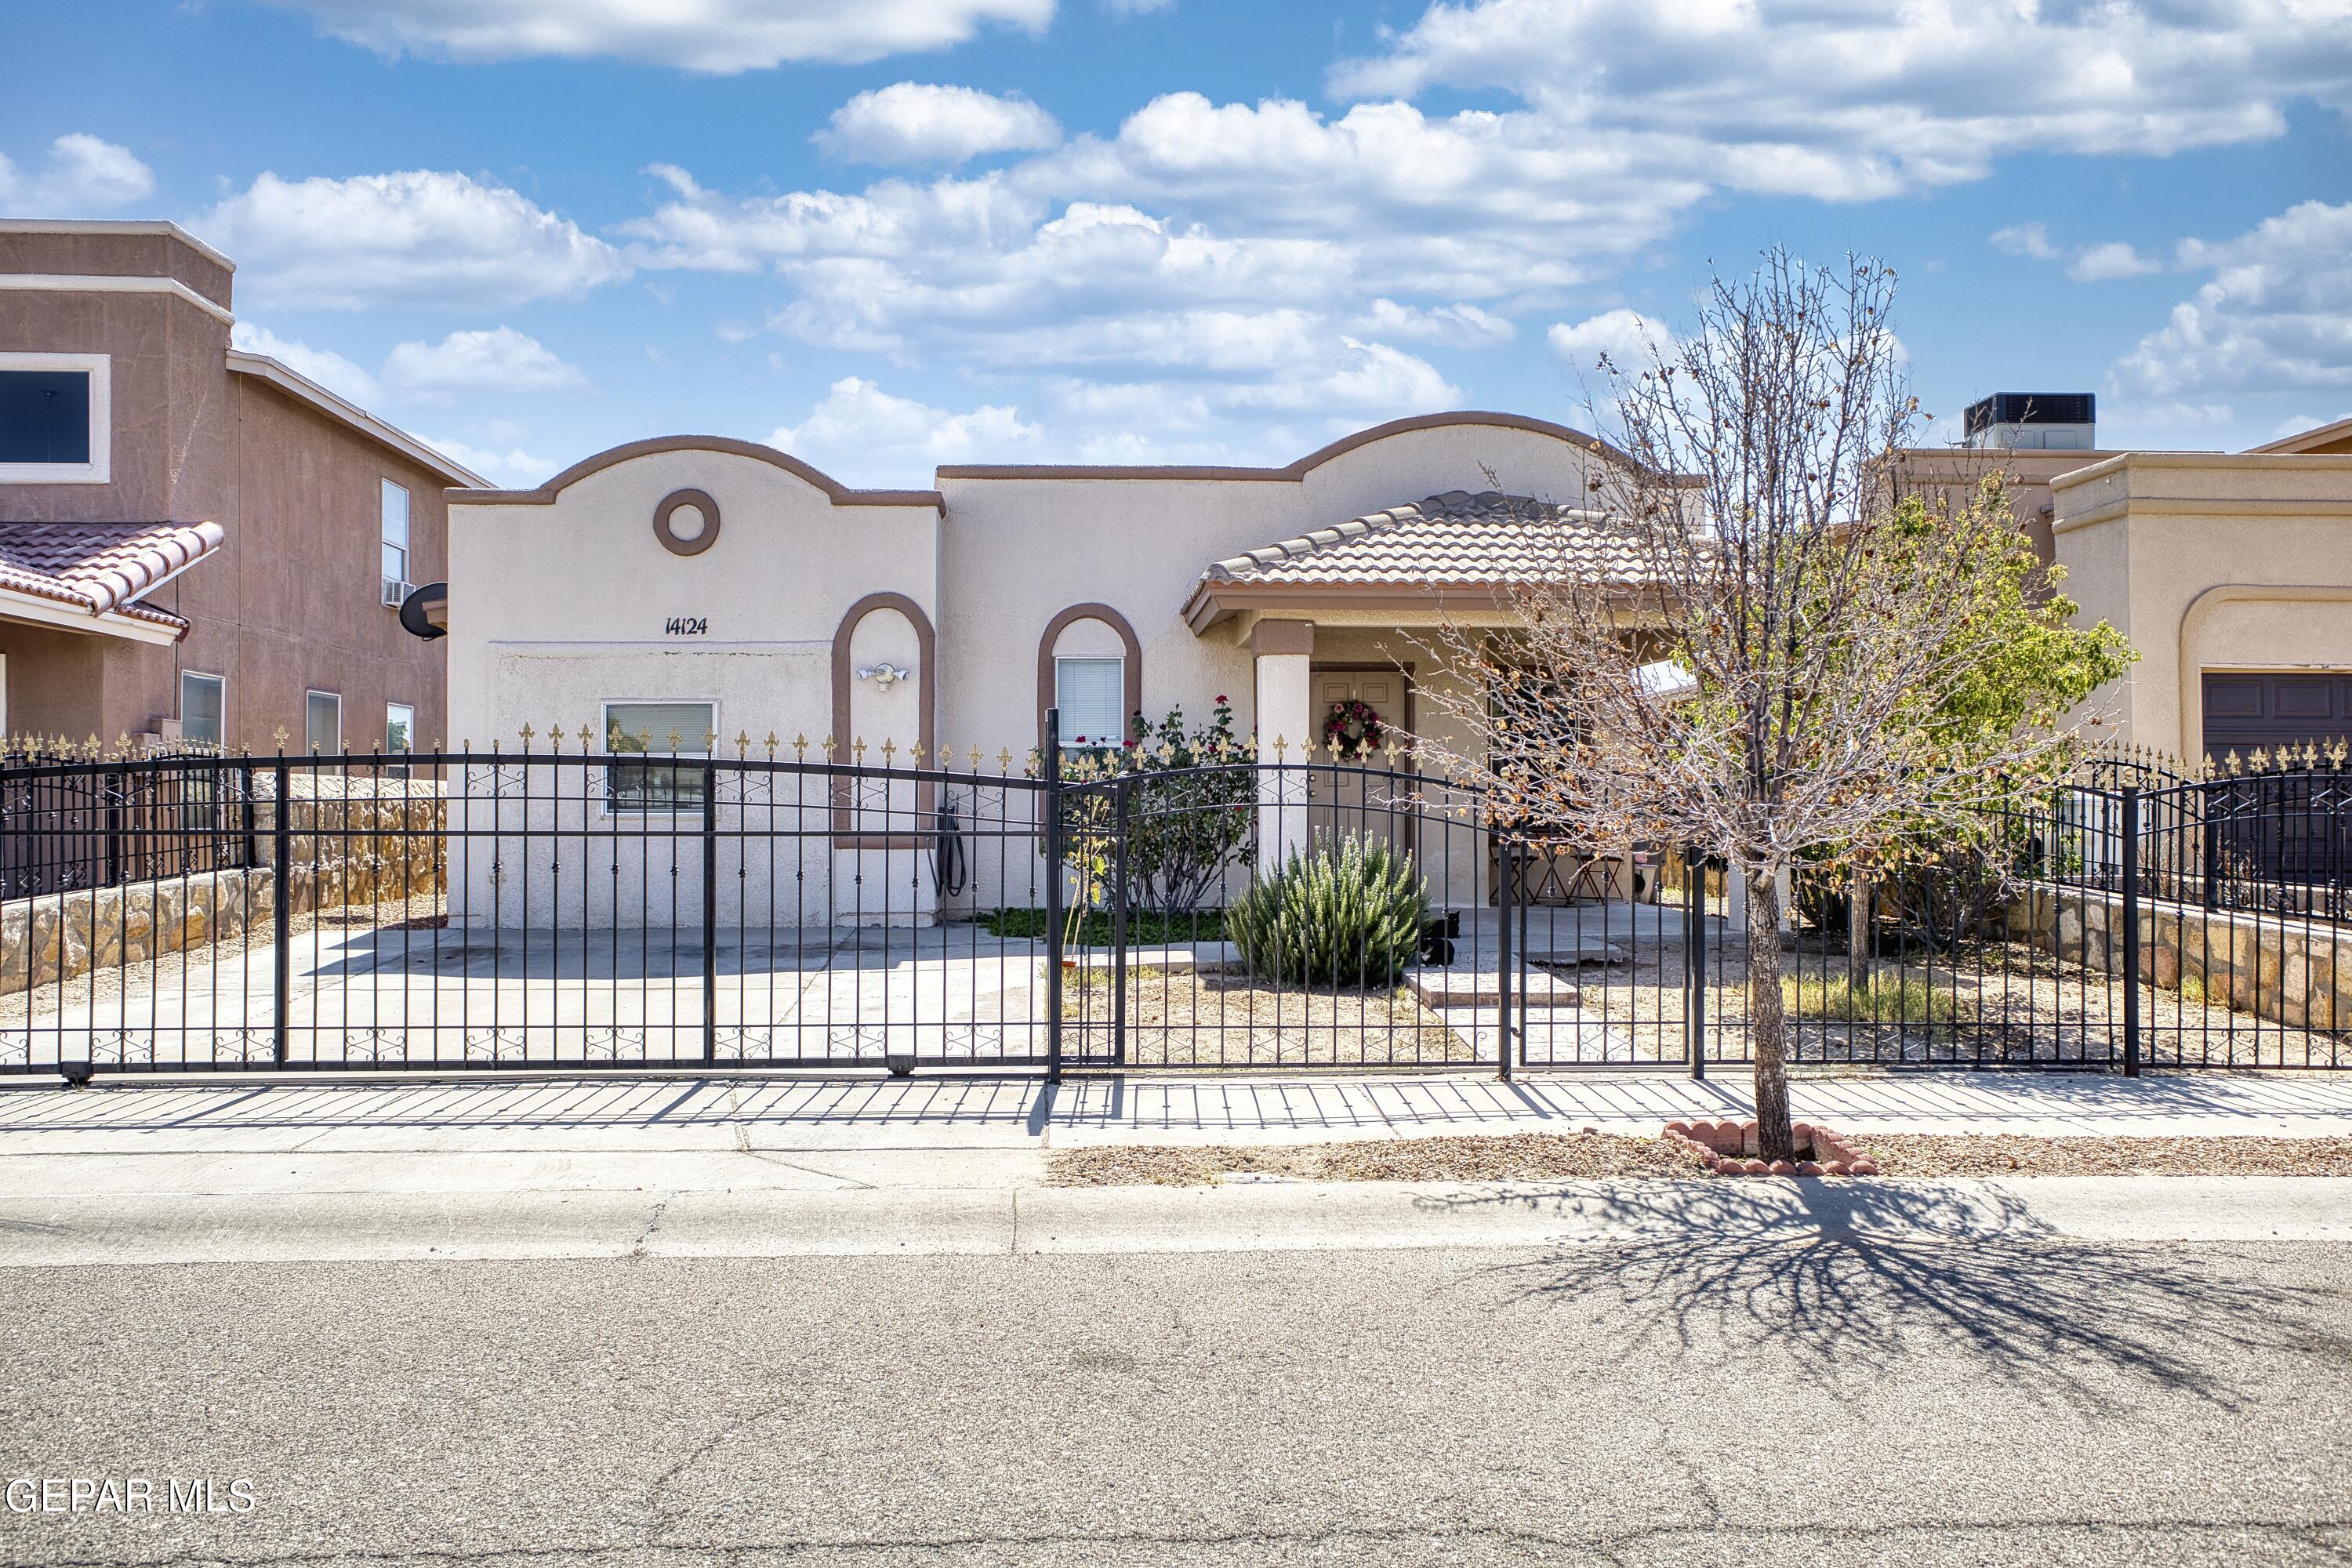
[(1092, 695), (657, 730)]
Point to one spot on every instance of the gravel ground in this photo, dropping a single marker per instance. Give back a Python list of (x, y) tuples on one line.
[(1551, 1156), (2009, 1004), (1513, 1157), (1926, 1154), (1179, 1018)]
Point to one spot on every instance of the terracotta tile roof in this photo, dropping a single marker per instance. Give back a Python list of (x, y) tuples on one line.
[(1456, 538), (103, 567)]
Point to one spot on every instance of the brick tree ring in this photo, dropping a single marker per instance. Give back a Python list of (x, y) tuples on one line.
[(693, 544)]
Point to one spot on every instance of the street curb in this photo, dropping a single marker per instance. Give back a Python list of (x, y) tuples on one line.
[(289, 1228)]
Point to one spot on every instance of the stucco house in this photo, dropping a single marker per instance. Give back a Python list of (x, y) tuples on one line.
[(1002, 591), (702, 585), (697, 586), (195, 543), (2229, 572)]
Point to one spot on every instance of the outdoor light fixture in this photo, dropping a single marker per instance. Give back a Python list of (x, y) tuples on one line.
[(884, 676)]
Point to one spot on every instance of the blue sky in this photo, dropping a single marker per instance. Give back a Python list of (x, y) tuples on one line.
[(888, 234)]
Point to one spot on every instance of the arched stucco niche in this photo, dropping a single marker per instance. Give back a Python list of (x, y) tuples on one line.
[(2249, 626), (1088, 631)]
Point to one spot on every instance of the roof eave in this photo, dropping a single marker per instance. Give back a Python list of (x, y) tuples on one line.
[(303, 390)]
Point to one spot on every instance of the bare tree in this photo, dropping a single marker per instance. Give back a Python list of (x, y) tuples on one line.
[(1750, 650)]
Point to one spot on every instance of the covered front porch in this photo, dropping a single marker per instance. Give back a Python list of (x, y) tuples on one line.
[(1349, 631)]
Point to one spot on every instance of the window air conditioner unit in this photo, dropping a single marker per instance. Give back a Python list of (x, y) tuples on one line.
[(395, 592)]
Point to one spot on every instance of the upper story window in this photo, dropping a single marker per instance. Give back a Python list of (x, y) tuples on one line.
[(396, 536), (55, 420)]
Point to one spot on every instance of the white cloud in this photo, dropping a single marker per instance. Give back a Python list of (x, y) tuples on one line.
[(1624, 335), (1135, 7), (2025, 239), (2276, 313), (514, 467), (1850, 101), (720, 36), (421, 236), (911, 124), (330, 370), (1463, 326), (2297, 424), (81, 175), (864, 435), (499, 360), (2085, 264), (2099, 263)]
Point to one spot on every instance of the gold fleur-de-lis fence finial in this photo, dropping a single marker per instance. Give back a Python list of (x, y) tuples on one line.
[(857, 750)]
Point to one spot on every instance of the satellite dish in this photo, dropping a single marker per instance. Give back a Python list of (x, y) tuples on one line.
[(423, 611)]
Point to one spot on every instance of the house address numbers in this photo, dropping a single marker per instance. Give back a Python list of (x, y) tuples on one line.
[(687, 626)]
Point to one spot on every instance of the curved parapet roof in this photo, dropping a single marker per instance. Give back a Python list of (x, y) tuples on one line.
[(839, 493)]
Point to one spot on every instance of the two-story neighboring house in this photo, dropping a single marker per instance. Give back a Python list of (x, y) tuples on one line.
[(196, 541)]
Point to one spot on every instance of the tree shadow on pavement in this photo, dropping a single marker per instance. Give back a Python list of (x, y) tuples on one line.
[(1859, 1279)]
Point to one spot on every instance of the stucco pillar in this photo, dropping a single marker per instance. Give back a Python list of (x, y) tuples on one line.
[(1286, 714)]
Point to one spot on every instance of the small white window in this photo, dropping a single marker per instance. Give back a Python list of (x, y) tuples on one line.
[(57, 424), (657, 730), (202, 706), (399, 727), (1092, 695), (322, 713), (395, 535)]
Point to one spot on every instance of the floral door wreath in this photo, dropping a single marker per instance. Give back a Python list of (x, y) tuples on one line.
[(1354, 728)]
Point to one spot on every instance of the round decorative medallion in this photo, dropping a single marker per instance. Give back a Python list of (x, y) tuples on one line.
[(692, 533)]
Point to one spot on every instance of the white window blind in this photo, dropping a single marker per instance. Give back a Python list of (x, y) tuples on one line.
[(657, 729), (1092, 695), (324, 723), (395, 532), (201, 707)]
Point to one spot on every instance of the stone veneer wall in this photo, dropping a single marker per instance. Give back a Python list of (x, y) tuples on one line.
[(58, 936), (2292, 973)]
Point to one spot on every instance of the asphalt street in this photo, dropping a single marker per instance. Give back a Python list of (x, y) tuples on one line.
[(1773, 1398)]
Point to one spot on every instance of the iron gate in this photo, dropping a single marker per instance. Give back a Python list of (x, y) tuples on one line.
[(584, 911)]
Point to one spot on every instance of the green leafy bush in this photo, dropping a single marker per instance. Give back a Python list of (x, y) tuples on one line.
[(1349, 912)]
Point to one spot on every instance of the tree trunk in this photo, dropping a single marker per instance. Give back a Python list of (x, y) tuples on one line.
[(1860, 895), (1768, 1021)]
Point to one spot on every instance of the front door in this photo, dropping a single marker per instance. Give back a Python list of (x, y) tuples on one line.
[(1363, 795)]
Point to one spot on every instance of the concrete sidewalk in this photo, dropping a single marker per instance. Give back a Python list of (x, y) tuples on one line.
[(277, 1171), (943, 1112)]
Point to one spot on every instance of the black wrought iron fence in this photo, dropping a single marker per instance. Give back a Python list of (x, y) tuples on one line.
[(70, 823), (584, 911)]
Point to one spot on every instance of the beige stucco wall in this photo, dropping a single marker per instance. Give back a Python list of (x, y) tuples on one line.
[(558, 607), (2208, 561), (1021, 549)]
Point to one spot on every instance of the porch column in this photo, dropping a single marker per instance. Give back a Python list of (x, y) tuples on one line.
[(1286, 713)]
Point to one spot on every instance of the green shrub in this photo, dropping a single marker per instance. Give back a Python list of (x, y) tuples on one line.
[(1349, 912)]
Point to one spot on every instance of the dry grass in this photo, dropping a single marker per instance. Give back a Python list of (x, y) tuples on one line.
[(1509, 1157), (1177, 1019), (2002, 1154)]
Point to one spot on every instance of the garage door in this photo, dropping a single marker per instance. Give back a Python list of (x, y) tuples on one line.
[(2244, 709)]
